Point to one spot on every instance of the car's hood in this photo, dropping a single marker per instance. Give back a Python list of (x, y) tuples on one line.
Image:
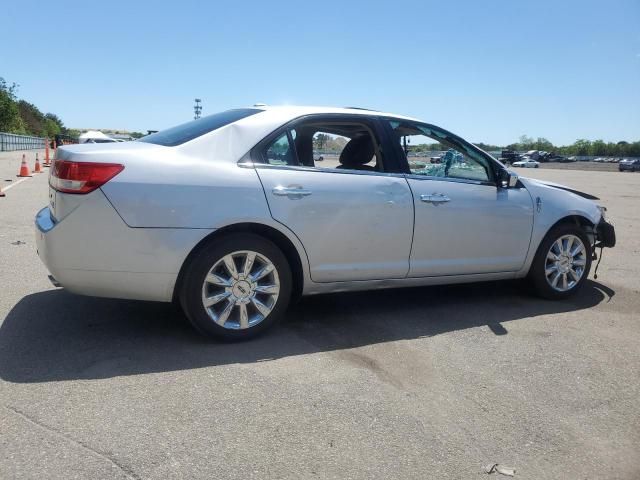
[(561, 187)]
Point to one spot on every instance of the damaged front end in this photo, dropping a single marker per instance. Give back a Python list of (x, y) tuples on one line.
[(605, 235)]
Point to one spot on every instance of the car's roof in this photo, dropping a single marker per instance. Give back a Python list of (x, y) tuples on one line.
[(299, 110)]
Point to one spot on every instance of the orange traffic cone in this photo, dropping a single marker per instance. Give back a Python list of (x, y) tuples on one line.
[(47, 162), (38, 168), (24, 168)]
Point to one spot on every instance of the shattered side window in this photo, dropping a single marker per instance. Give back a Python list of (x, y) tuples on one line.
[(430, 152)]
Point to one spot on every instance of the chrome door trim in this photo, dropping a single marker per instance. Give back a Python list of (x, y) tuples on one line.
[(342, 171), (413, 176)]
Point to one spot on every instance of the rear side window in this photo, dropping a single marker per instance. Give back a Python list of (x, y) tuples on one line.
[(196, 128), (280, 151), (334, 143)]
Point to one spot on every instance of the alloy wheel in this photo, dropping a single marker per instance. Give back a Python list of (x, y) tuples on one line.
[(565, 263), (240, 290)]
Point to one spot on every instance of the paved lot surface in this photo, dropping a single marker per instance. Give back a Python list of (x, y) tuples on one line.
[(414, 383), (588, 166)]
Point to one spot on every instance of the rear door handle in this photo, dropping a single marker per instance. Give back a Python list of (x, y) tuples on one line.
[(291, 191), (435, 198)]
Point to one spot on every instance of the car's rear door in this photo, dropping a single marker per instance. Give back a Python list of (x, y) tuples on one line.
[(354, 224)]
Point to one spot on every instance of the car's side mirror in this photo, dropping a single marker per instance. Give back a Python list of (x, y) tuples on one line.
[(508, 179)]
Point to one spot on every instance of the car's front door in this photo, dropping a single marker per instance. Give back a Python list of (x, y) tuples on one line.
[(464, 224), (326, 181)]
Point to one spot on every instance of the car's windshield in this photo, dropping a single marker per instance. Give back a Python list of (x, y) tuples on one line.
[(190, 130)]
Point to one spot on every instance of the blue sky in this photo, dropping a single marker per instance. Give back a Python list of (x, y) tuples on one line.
[(489, 71)]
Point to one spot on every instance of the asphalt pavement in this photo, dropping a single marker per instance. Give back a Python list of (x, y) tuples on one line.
[(414, 383)]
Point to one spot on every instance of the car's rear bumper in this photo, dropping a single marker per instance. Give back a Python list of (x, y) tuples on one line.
[(93, 252), (605, 234)]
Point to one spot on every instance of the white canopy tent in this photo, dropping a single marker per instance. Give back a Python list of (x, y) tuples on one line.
[(94, 136)]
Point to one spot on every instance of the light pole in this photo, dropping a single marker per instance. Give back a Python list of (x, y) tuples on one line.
[(197, 109)]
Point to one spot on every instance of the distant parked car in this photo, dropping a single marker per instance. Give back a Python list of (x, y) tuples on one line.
[(102, 140), (528, 163), (557, 158), (509, 156), (532, 154), (543, 156), (629, 165)]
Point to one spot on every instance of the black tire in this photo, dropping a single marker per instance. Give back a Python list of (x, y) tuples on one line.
[(537, 277), (198, 268)]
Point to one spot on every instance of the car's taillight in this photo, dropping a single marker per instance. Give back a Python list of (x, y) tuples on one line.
[(81, 177)]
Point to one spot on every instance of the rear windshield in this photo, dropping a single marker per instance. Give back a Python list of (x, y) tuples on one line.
[(190, 130)]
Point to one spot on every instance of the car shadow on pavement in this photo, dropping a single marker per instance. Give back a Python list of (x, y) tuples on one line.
[(55, 335)]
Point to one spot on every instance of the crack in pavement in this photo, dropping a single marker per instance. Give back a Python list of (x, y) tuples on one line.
[(130, 474)]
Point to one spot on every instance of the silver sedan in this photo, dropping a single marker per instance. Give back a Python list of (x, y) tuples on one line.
[(234, 214)]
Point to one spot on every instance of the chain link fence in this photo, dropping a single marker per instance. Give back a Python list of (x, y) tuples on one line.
[(10, 142)]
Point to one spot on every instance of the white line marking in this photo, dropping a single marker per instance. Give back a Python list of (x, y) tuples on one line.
[(14, 184)]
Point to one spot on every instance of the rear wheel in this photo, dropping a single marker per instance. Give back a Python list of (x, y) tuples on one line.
[(562, 262), (236, 287)]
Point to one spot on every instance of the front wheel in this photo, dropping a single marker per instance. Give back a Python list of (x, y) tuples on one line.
[(236, 287), (562, 262)]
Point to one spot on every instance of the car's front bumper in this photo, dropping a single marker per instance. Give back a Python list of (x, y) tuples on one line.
[(605, 234)]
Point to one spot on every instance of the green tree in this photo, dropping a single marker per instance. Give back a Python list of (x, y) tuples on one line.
[(487, 147), (72, 132), (33, 118), (598, 147), (56, 119), (51, 128), (526, 143), (581, 147), (10, 120), (543, 144), (321, 140)]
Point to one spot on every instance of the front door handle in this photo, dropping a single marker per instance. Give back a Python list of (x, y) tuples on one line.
[(291, 191), (435, 198)]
